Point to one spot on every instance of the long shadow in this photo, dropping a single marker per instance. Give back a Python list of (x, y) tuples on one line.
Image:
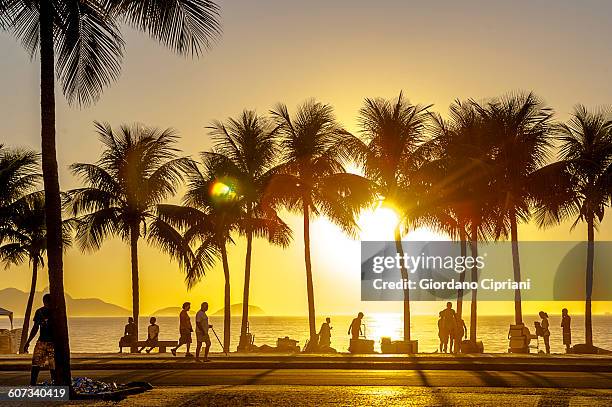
[(437, 392), (489, 379)]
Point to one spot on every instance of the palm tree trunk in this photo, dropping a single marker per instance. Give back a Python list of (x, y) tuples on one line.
[(463, 243), (516, 265), (309, 284), (134, 236), (53, 207), (473, 304), (28, 310), (227, 316), (588, 322), (405, 277), (243, 343)]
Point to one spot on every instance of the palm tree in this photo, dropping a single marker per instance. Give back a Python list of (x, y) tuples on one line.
[(582, 185), (83, 40), (218, 205), (394, 132), (26, 239), (245, 151), (19, 173), (521, 126), (138, 169), (462, 177), (312, 180)]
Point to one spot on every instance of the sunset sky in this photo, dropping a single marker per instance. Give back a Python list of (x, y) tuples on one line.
[(286, 51)]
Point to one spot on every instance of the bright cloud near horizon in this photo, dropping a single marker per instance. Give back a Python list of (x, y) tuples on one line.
[(287, 51)]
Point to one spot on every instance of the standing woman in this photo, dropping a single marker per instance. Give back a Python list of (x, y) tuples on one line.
[(545, 330), (566, 322)]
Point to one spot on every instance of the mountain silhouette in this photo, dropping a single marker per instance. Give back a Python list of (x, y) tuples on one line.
[(236, 310), (15, 300)]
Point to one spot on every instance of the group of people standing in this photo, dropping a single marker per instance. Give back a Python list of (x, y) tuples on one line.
[(451, 330)]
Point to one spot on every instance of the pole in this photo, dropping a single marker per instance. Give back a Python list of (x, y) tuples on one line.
[(219, 340)]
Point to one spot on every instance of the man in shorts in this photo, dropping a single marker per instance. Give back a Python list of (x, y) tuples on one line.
[(202, 327), (44, 352), (185, 330)]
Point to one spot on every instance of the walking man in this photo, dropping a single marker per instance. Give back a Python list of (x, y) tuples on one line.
[(44, 352), (202, 327), (185, 330)]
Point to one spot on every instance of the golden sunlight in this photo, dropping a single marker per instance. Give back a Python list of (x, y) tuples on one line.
[(378, 223)]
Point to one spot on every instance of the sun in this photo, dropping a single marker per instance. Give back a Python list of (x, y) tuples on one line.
[(377, 223)]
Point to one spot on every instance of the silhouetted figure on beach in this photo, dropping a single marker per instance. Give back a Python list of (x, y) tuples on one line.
[(355, 327), (325, 334), (459, 333), (446, 326), (129, 334), (185, 330), (566, 324), (545, 330), (202, 327), (44, 351), (152, 335)]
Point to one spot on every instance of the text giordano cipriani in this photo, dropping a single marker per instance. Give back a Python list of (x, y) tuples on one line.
[(422, 262)]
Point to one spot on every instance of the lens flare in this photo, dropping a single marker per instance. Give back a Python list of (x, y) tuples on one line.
[(221, 190)]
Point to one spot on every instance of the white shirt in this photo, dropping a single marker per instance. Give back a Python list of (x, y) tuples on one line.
[(202, 320)]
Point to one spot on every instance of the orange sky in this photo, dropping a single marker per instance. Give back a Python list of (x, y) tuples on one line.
[(338, 52)]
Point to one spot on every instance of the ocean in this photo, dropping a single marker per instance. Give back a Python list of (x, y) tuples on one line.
[(101, 334)]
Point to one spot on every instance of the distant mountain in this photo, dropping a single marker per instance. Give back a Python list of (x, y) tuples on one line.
[(16, 300), (167, 312), (236, 309)]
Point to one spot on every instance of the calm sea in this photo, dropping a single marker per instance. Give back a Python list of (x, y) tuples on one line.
[(102, 334)]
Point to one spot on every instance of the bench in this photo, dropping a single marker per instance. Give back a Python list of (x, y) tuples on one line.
[(134, 346)]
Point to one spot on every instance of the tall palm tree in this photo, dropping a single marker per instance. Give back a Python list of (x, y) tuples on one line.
[(462, 177), (584, 189), (26, 240), (19, 173), (245, 151), (82, 39), (216, 206), (312, 180), (394, 134), (521, 126), (138, 169)]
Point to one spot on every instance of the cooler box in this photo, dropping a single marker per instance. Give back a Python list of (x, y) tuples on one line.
[(361, 346), (398, 346)]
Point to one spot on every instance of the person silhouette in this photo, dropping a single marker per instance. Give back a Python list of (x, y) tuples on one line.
[(446, 326), (566, 324), (545, 331), (129, 335), (325, 334), (185, 330), (44, 350), (355, 327)]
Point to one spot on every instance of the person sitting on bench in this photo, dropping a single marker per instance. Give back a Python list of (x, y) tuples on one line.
[(152, 336), (129, 335)]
